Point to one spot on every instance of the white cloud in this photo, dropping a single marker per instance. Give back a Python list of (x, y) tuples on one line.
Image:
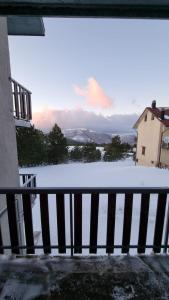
[(94, 94), (81, 118)]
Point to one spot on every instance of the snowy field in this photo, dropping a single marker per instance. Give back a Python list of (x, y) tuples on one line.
[(99, 174)]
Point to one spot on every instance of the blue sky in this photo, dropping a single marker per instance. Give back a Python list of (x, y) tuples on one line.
[(128, 60)]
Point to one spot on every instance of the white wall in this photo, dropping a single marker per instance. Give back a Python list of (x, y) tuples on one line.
[(9, 175), (8, 150)]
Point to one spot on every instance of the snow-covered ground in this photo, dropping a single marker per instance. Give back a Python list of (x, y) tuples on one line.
[(99, 174)]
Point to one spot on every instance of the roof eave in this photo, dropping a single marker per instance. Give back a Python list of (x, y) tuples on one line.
[(153, 9)]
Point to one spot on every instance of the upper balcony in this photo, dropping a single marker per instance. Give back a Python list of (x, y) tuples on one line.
[(22, 108)]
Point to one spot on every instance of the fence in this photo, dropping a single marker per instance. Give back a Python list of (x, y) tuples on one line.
[(75, 211)]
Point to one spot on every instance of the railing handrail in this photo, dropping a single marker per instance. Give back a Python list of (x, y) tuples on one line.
[(24, 88), (84, 190), (26, 174)]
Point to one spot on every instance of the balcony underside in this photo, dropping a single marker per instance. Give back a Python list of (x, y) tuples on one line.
[(118, 277), (22, 123), (83, 8)]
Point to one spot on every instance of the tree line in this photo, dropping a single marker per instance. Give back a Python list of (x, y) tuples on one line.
[(37, 148)]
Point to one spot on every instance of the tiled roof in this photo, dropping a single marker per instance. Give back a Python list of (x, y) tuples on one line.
[(157, 112)]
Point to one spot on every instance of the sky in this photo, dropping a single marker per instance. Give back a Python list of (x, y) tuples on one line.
[(96, 67)]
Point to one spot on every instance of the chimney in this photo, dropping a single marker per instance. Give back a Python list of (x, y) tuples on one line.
[(162, 114), (153, 105)]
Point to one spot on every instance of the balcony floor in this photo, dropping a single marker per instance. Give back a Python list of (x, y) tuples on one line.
[(115, 277)]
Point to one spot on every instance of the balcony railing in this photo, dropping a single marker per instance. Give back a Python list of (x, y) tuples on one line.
[(26, 180), (29, 181), (75, 197), (22, 109)]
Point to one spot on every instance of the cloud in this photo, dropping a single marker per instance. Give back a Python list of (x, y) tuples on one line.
[(84, 119), (94, 94)]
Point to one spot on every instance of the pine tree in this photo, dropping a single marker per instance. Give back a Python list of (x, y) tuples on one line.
[(115, 150), (90, 153), (31, 146), (56, 146), (76, 154)]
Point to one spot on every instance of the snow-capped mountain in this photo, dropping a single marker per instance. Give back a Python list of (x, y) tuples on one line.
[(84, 135)]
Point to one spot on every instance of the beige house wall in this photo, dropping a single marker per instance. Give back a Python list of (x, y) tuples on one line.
[(149, 136)]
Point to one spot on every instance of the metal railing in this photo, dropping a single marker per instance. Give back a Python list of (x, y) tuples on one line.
[(75, 198), (26, 180), (29, 181), (22, 108)]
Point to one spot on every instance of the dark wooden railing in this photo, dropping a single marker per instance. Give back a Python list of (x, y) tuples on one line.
[(76, 214), (28, 180), (22, 108)]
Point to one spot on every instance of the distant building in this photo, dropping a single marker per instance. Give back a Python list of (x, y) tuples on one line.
[(153, 137)]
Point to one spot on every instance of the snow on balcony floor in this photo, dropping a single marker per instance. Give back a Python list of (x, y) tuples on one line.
[(101, 278)]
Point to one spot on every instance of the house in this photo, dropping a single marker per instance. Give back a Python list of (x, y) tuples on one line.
[(153, 137)]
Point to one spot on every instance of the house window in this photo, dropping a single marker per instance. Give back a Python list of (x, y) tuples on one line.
[(143, 150), (152, 117), (145, 118)]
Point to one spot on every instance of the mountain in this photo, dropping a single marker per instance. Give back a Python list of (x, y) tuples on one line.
[(129, 138), (84, 135)]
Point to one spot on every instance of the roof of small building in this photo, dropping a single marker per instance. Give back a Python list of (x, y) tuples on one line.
[(157, 113)]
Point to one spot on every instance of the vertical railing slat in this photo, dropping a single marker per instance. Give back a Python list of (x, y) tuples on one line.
[(29, 107), (71, 224), (144, 212), (12, 219), (27, 209), (21, 102), (94, 222), (166, 233), (78, 223), (1, 242), (111, 222), (45, 222), (16, 100), (159, 225), (60, 208), (127, 222)]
